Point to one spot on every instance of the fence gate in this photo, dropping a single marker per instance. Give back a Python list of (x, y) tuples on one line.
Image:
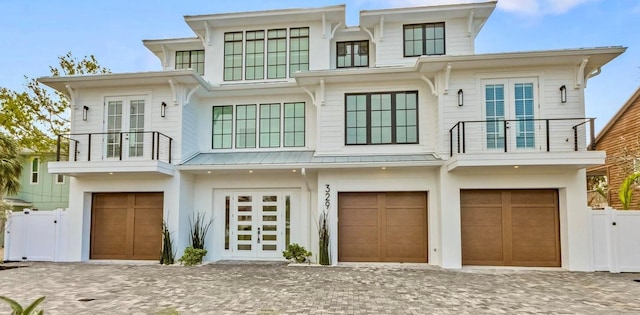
[(34, 235)]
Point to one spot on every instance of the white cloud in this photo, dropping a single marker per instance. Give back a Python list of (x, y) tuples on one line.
[(523, 7)]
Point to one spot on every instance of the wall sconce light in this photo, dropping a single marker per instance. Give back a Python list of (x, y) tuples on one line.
[(163, 109), (460, 97), (563, 94), (85, 112)]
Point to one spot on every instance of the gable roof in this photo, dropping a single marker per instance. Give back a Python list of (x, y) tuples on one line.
[(617, 116)]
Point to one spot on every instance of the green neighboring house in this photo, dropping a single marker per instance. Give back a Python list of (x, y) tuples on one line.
[(40, 190)]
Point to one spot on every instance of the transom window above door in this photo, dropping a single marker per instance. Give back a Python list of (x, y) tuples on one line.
[(381, 118), (269, 125)]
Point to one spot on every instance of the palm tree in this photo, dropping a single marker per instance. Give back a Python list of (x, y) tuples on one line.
[(10, 166)]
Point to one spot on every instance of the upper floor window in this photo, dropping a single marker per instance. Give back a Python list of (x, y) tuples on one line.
[(381, 118), (59, 179), (193, 59), (299, 51), (271, 125), (265, 47), (352, 54), (424, 39), (35, 171), (233, 56)]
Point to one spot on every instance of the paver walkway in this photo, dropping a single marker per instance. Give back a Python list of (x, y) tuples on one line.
[(279, 289)]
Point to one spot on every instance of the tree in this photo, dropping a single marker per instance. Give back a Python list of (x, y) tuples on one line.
[(36, 116), (10, 166)]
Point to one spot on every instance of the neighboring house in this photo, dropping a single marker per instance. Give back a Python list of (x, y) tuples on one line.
[(419, 149), (620, 138), (39, 190)]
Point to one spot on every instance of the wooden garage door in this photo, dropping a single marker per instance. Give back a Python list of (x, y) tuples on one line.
[(510, 228), (382, 227), (126, 226)]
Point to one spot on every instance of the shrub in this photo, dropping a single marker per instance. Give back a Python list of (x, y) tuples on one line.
[(198, 230), (19, 310), (323, 235), (626, 190), (192, 256), (167, 255), (296, 253)]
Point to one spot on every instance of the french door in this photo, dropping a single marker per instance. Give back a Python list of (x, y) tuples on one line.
[(257, 224), (124, 125), (510, 108)]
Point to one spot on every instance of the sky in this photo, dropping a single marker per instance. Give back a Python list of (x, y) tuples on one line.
[(34, 33)]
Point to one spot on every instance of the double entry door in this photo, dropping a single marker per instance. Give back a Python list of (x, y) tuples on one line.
[(257, 224), (511, 107), (124, 127)]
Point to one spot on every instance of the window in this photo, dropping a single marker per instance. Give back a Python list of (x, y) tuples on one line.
[(424, 39), (381, 118), (269, 125), (294, 124), (35, 170), (245, 126), (233, 56), (353, 54), (254, 56), (222, 127), (299, 53), (59, 179), (277, 54), (193, 59)]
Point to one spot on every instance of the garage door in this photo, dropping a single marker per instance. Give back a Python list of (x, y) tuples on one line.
[(126, 226), (510, 228), (382, 227)]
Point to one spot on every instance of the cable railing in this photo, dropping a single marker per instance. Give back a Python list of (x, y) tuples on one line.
[(521, 135), (120, 146)]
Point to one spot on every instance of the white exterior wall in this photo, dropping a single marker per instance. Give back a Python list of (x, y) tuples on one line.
[(378, 180), (331, 126), (575, 234), (390, 50), (79, 213), (214, 53), (210, 189)]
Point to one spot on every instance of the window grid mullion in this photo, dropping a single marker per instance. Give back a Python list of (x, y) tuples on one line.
[(393, 118)]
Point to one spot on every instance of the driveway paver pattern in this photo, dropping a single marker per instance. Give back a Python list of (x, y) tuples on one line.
[(275, 288)]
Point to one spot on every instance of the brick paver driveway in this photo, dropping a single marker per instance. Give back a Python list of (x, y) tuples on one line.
[(243, 288)]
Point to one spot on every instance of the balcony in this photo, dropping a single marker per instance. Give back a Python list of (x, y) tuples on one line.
[(113, 152), (517, 142)]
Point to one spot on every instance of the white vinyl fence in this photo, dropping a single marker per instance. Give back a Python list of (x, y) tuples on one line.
[(35, 236), (616, 240)]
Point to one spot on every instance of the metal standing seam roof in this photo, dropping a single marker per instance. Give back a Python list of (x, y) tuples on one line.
[(299, 158)]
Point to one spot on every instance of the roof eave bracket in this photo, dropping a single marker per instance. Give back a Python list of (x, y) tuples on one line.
[(580, 76), (471, 31), (447, 75), (73, 96), (431, 85)]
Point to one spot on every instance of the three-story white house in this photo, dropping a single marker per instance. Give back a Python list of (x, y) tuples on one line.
[(418, 149)]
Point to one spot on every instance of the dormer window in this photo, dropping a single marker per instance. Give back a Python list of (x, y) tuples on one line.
[(352, 54), (424, 39), (190, 59)]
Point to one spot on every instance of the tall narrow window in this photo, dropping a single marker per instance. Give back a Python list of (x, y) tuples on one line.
[(299, 50), (294, 124), (352, 54), (233, 56), (382, 118), (245, 126), (136, 128), (254, 69), (424, 39), (35, 170), (277, 54), (494, 106), (269, 125), (59, 179), (523, 98), (287, 220), (114, 127), (222, 127), (193, 59), (227, 219)]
